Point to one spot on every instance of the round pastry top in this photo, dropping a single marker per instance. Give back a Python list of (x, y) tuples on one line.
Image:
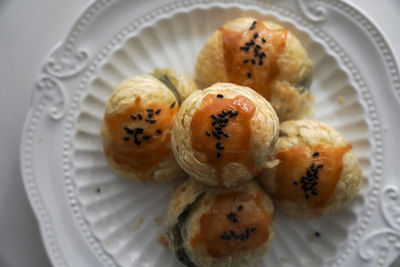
[(233, 222), (251, 54), (138, 125), (309, 173), (221, 129)]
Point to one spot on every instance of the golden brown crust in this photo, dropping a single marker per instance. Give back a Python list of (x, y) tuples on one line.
[(309, 133), (137, 94), (295, 68), (263, 126), (197, 201)]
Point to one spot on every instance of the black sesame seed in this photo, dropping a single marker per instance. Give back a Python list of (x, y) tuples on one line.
[(320, 166), (218, 154), (208, 133), (213, 116), (312, 165), (255, 35), (173, 105), (133, 116), (146, 136), (309, 173), (139, 130), (246, 48), (150, 115), (242, 237), (258, 46), (150, 110), (223, 236), (249, 74), (218, 128), (232, 232), (317, 234), (221, 115), (253, 228), (253, 25), (216, 135), (126, 138), (220, 96), (236, 113), (157, 111), (250, 43), (158, 131), (315, 154), (137, 142), (245, 61), (219, 132), (229, 111), (307, 196), (219, 146), (240, 207), (222, 125), (262, 54), (295, 183), (225, 134), (253, 61), (140, 116), (314, 192), (263, 40), (260, 62)]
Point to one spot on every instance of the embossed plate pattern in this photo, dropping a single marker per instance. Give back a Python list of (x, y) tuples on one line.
[(63, 165)]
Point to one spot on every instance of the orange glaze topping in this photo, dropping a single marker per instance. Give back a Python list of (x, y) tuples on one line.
[(140, 140), (237, 222), (300, 165), (232, 142), (251, 56)]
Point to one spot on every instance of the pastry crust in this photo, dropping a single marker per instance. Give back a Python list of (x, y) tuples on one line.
[(289, 87), (148, 92), (311, 133), (263, 129), (192, 202)]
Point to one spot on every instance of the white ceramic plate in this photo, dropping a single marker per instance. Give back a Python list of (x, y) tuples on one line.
[(91, 217)]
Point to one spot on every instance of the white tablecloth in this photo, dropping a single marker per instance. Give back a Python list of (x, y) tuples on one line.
[(28, 30)]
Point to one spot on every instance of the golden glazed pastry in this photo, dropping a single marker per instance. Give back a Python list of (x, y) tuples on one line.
[(316, 171), (222, 135), (261, 55), (216, 226), (137, 124)]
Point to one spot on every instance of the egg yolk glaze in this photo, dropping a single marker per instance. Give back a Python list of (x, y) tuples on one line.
[(237, 222), (309, 174), (251, 56), (140, 135), (221, 130)]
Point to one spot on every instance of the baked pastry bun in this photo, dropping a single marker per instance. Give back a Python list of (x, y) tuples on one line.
[(316, 171), (216, 226), (261, 55), (222, 135), (137, 124)]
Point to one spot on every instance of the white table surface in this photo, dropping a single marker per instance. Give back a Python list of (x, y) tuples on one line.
[(28, 30)]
